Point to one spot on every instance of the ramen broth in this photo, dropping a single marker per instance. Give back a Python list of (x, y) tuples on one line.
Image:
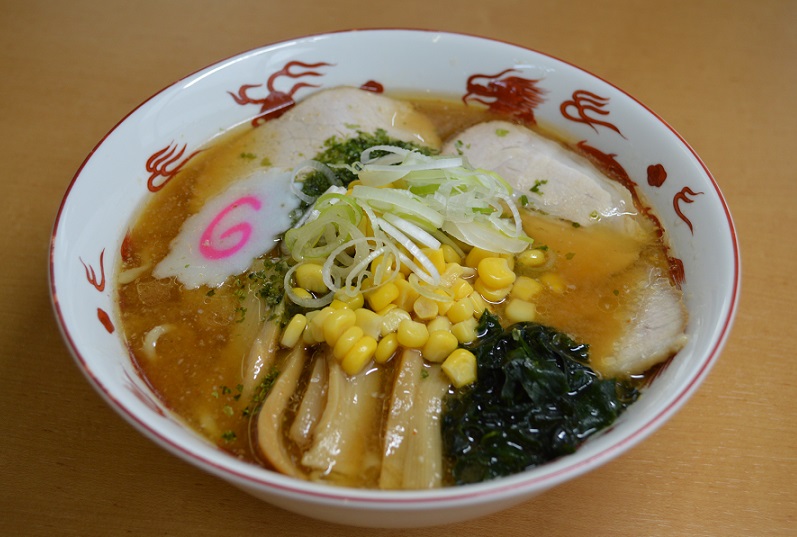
[(195, 364)]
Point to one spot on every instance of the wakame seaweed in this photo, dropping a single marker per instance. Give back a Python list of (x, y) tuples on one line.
[(536, 399)]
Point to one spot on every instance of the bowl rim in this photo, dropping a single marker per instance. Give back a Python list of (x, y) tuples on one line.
[(432, 498)]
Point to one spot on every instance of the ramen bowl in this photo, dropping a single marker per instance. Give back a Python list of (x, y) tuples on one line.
[(150, 145)]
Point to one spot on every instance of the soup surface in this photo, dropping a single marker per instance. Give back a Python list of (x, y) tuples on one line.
[(195, 345)]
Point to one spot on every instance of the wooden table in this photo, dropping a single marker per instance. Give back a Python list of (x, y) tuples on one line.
[(722, 73)]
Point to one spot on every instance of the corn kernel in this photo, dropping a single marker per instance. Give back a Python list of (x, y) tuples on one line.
[(382, 296), (488, 293), (346, 341), (386, 348), (293, 331), (525, 288), (378, 262), (441, 322), (316, 324), (392, 319), (310, 276), (384, 311), (554, 282), (518, 310), (531, 258), (494, 272), (425, 308), (307, 334), (407, 294), (451, 273), (412, 334), (359, 355), (460, 367), (437, 258), (302, 293), (450, 255), (366, 284), (479, 304), (465, 331), (461, 288), (338, 304), (370, 322), (439, 345), (338, 322), (353, 299), (476, 255), (446, 302), (461, 310)]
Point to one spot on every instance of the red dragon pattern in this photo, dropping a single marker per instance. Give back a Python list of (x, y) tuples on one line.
[(585, 103), (277, 102), (158, 165), (99, 285), (656, 175), (105, 320), (373, 86), (514, 96), (683, 197), (609, 165), (91, 274)]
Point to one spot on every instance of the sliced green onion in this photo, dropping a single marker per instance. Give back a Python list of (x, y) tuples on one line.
[(485, 236), (397, 201), (412, 248), (432, 293), (355, 271), (416, 232), (397, 163), (446, 239), (317, 238), (391, 150)]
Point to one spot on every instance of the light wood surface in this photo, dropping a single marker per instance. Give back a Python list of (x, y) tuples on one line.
[(722, 73)]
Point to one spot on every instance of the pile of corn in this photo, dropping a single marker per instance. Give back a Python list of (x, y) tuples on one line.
[(375, 323)]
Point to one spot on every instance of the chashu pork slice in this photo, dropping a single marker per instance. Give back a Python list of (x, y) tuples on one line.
[(562, 184), (341, 112), (555, 180), (300, 133), (655, 320)]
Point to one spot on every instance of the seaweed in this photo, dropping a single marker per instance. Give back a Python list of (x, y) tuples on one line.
[(536, 399)]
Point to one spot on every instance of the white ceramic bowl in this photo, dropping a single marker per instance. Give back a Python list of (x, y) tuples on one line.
[(153, 140)]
